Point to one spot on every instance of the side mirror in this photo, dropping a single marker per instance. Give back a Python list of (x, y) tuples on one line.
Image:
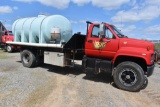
[(102, 30)]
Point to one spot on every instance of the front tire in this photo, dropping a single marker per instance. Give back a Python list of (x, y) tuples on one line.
[(28, 58), (129, 76)]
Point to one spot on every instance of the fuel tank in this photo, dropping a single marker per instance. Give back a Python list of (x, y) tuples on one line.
[(54, 29)]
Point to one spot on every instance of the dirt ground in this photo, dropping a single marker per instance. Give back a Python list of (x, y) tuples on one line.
[(51, 86)]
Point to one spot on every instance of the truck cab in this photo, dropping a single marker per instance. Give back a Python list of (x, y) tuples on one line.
[(8, 36), (129, 60)]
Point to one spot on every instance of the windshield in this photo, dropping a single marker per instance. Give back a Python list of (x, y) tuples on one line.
[(10, 33), (118, 32)]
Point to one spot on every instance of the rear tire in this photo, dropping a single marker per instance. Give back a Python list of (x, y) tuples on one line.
[(28, 58), (129, 76), (9, 48)]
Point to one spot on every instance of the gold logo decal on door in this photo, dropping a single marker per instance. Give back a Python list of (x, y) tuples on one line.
[(99, 45)]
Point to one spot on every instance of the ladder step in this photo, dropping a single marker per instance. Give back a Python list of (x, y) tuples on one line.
[(68, 59)]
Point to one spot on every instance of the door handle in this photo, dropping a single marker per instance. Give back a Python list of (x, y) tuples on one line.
[(106, 40), (90, 41)]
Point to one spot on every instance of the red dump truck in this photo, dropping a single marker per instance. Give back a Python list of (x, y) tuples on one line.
[(103, 49), (8, 36)]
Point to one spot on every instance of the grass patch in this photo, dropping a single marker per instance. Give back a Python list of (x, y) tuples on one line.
[(3, 57), (157, 46), (3, 54)]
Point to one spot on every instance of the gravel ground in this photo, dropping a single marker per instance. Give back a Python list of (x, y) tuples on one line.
[(51, 86)]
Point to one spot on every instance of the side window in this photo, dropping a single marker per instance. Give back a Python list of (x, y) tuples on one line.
[(95, 32), (5, 33), (109, 34)]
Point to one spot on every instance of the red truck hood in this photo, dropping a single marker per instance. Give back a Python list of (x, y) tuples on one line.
[(6, 38), (129, 42)]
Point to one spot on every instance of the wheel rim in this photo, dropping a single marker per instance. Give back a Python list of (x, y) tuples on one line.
[(26, 58), (8, 48), (128, 77)]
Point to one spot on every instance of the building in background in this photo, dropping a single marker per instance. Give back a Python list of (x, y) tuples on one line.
[(2, 29)]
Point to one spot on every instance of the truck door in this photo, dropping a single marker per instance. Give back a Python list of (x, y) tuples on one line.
[(99, 47), (93, 35), (111, 44)]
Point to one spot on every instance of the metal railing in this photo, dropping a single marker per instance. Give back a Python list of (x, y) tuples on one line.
[(155, 41)]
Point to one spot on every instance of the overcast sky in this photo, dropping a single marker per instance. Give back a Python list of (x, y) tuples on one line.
[(136, 18)]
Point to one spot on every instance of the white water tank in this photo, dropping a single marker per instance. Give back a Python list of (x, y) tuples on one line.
[(42, 29)]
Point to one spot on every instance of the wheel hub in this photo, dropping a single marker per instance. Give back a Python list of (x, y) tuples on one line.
[(8, 48), (128, 77), (26, 58)]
